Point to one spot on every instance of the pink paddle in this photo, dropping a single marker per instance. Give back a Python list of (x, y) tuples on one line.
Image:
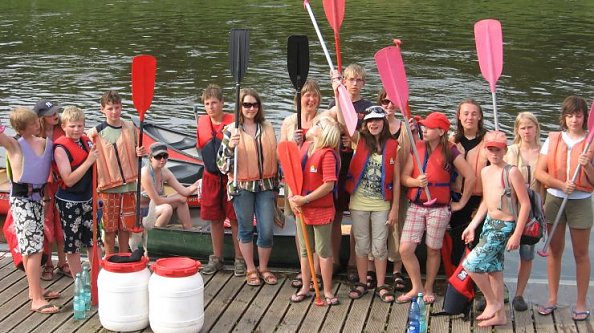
[(344, 98), (391, 69), (489, 50), (545, 249), (334, 10)]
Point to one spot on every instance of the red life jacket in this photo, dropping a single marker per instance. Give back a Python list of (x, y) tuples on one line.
[(76, 155), (312, 174), (437, 175), (359, 162), (209, 141)]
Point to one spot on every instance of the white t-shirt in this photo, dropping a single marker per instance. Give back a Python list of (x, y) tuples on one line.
[(570, 144)]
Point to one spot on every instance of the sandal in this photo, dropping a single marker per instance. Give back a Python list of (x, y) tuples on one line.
[(387, 296), (47, 309), (268, 277), (352, 275), (399, 283), (580, 315), (332, 300), (358, 290), (320, 284), (297, 282), (64, 269), (51, 294), (253, 279), (48, 273), (371, 280), (545, 310), (298, 298)]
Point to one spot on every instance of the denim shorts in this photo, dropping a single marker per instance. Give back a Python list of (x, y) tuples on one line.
[(263, 205)]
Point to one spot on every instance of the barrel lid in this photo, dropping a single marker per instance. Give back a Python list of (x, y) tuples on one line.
[(176, 267), (124, 267)]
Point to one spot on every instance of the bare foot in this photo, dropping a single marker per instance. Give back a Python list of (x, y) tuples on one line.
[(490, 311), (498, 319)]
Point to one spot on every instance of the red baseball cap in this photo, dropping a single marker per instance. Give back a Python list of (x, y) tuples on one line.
[(436, 120), (495, 139)]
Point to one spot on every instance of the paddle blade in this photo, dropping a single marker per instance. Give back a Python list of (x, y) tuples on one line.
[(239, 47), (298, 59), (489, 49), (393, 76), (290, 160), (334, 10), (348, 110), (144, 71)]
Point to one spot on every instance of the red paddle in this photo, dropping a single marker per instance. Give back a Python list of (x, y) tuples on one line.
[(144, 69), (344, 98), (95, 257), (391, 69), (290, 160), (334, 10), (545, 249), (489, 50)]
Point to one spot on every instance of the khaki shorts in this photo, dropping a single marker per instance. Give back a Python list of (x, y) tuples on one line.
[(321, 234), (577, 214)]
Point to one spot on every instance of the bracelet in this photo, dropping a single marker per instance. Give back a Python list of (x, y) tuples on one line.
[(2, 129)]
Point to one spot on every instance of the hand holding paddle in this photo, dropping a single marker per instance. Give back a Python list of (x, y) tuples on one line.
[(144, 69), (344, 99), (238, 58), (391, 69), (544, 251), (489, 50), (290, 160), (298, 66)]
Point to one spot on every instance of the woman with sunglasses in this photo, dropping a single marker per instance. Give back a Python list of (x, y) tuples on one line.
[(254, 189), (373, 181), (154, 176)]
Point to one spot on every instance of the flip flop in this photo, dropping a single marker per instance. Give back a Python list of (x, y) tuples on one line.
[(47, 309), (51, 294), (64, 269), (332, 300), (298, 298), (297, 282), (48, 273), (546, 309), (580, 315)]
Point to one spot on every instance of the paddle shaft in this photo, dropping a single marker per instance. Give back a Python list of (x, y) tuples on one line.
[(545, 248), (299, 104), (415, 152), (237, 110), (139, 179), (494, 97), (94, 253), (315, 24)]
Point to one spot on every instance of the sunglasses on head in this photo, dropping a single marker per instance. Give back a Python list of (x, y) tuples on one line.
[(250, 105), (161, 156)]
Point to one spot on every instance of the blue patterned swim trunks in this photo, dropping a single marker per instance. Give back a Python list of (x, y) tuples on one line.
[(487, 256)]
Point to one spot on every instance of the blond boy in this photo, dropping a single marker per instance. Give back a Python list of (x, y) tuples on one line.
[(501, 230)]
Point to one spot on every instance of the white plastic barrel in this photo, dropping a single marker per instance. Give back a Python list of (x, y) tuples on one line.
[(176, 296), (123, 295)]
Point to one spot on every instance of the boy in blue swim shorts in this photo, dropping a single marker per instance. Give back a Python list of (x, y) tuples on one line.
[(500, 230)]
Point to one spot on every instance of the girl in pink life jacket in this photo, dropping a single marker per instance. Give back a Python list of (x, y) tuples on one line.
[(439, 157), (560, 155), (316, 203), (373, 181)]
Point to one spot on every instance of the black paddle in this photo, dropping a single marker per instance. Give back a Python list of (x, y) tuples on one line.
[(298, 66), (238, 58)]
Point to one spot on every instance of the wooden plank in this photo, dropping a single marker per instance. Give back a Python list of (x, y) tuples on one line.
[(509, 327), (11, 291), (523, 320), (6, 260), (474, 322), (458, 323), (223, 299), (585, 325), (90, 324), (438, 324), (543, 324), (276, 312), (357, 318), (64, 285), (216, 283), (259, 306), (11, 278), (337, 314), (378, 317), (294, 315), (318, 314), (54, 321), (563, 320), (399, 318)]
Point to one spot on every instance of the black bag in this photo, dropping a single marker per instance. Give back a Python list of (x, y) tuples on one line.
[(459, 293), (209, 155)]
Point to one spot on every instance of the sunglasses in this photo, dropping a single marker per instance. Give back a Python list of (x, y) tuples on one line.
[(250, 105), (161, 156), (386, 101)]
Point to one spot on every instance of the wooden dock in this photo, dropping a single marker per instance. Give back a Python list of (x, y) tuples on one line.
[(232, 306)]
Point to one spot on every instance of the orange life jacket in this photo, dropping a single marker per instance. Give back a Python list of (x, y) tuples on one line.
[(312, 174), (557, 161), (477, 158), (117, 164), (359, 161), (256, 159), (438, 176)]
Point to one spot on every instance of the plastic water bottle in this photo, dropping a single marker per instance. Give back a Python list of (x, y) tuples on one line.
[(423, 315), (86, 279), (413, 317), (79, 302)]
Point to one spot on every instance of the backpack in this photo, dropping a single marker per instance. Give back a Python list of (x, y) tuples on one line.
[(534, 228), (459, 293)]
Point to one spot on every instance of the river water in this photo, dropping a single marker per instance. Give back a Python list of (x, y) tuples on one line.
[(72, 51)]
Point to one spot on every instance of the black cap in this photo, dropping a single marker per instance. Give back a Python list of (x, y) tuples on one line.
[(46, 108)]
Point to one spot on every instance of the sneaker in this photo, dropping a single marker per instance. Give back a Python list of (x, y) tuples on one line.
[(214, 264), (519, 304), (239, 267)]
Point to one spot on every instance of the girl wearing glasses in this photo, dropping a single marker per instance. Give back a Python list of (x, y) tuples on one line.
[(257, 182), (154, 176)]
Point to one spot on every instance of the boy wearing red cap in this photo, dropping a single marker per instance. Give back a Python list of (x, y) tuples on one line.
[(438, 158), (501, 230)]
